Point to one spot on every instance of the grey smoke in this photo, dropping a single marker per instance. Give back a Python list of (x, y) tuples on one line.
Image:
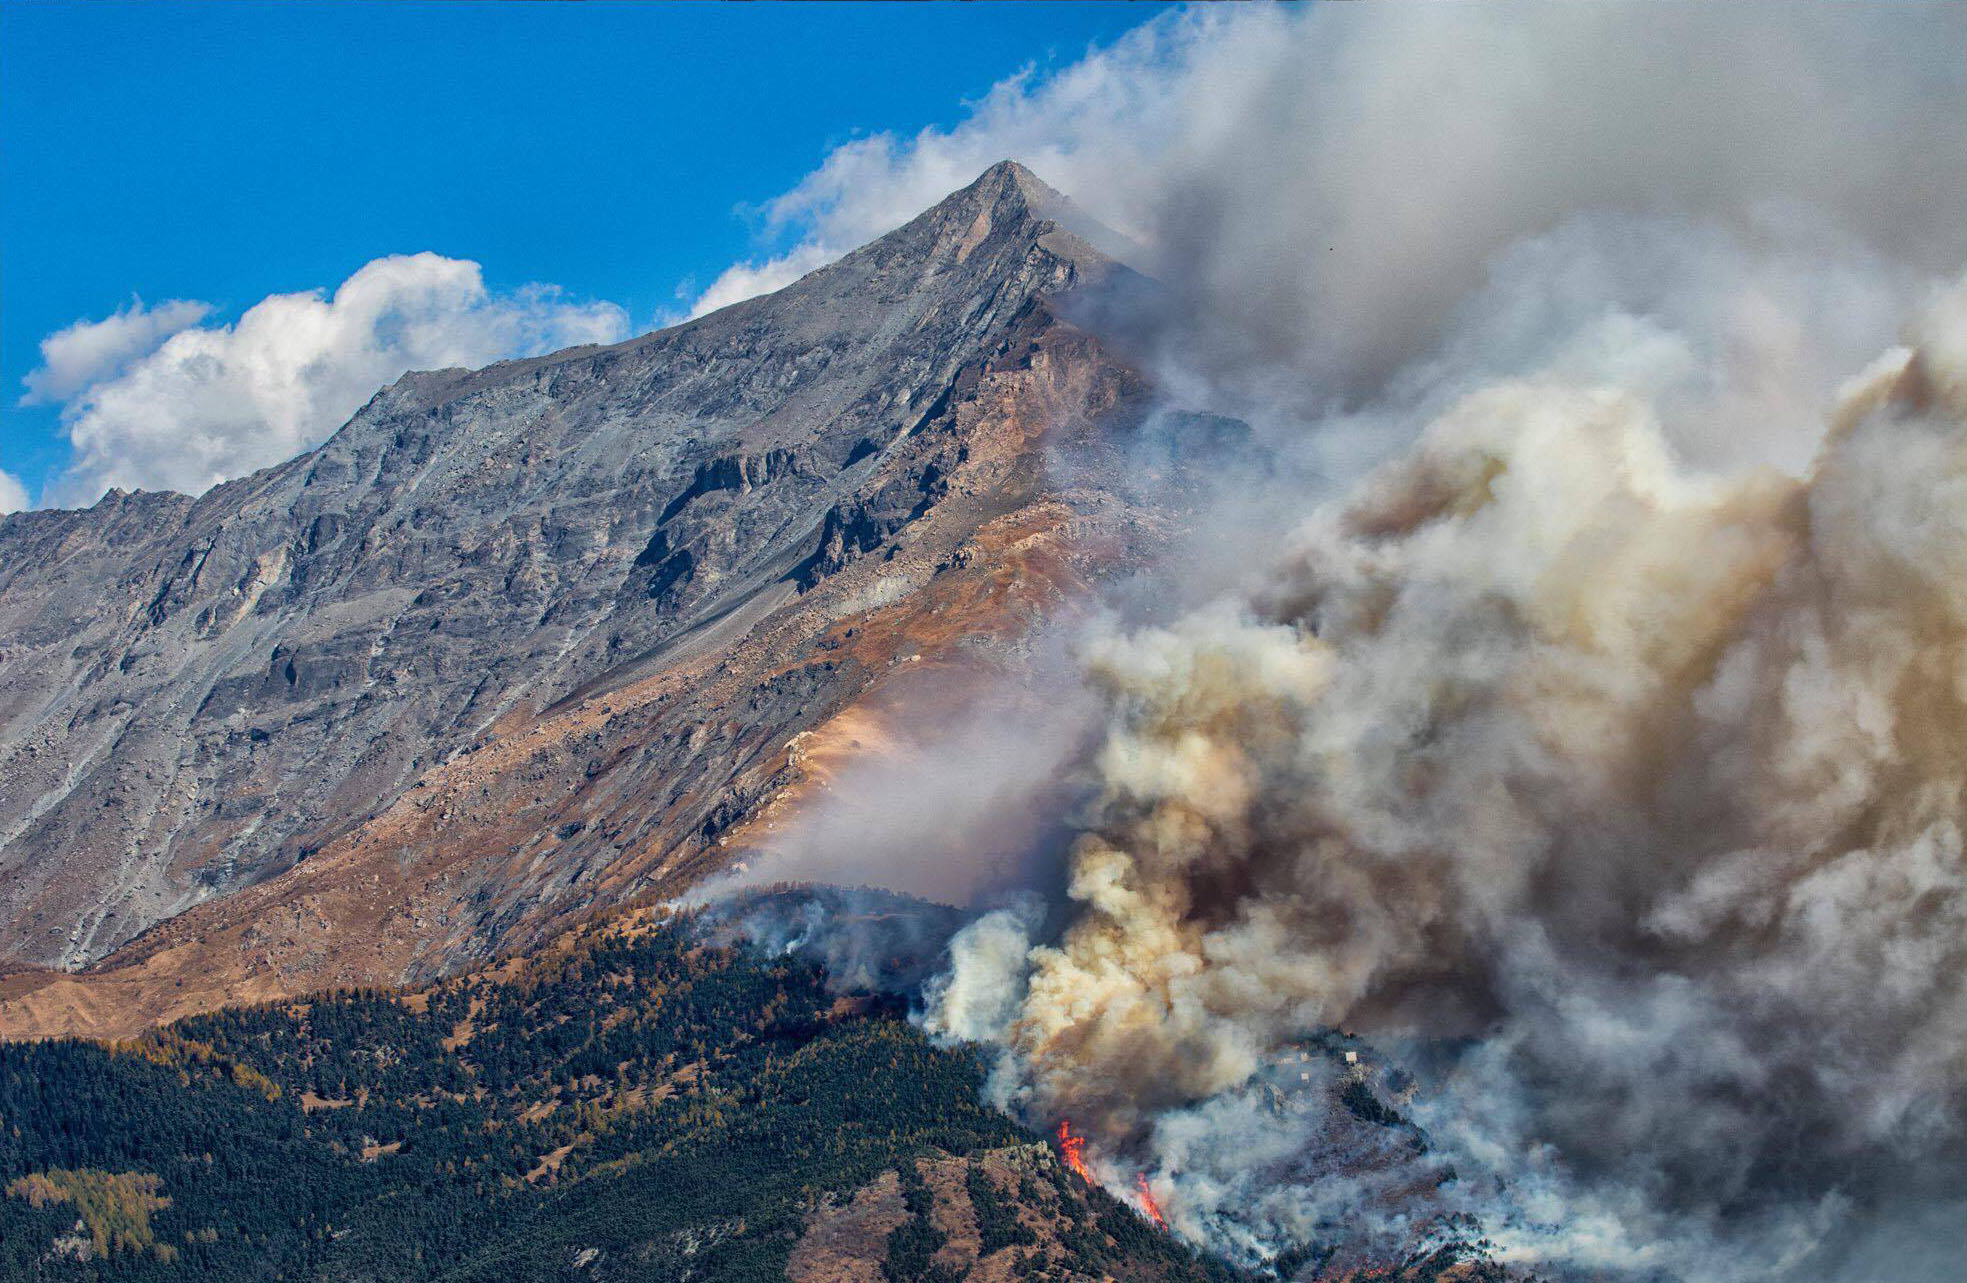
[(1570, 700), (959, 788), (1645, 779), (1321, 186), (867, 939)]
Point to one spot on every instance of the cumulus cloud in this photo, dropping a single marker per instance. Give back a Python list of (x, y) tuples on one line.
[(89, 352), (184, 410), (13, 495), (741, 281)]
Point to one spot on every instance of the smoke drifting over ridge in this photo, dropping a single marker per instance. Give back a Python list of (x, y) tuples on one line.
[(1595, 740), (1320, 186)]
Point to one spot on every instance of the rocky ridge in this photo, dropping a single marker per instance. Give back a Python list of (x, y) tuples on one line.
[(518, 643)]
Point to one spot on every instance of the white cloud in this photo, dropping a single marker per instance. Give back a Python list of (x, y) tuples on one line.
[(741, 281), (89, 352), (13, 495), (214, 402)]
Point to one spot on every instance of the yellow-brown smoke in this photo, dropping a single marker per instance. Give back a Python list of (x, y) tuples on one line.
[(1652, 782)]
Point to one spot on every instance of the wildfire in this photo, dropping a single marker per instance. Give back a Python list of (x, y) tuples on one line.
[(1148, 1205), (1073, 1150)]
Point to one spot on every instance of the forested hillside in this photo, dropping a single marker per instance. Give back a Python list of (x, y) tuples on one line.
[(635, 1104)]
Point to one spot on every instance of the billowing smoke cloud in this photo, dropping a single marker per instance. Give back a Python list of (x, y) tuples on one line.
[(1647, 779), (1320, 186), (152, 399), (1593, 747)]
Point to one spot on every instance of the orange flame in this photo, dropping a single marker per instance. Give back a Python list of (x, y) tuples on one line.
[(1073, 1150), (1148, 1205)]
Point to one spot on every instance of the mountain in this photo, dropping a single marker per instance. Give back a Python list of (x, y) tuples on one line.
[(523, 642)]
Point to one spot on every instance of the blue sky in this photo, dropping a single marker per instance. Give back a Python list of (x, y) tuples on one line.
[(225, 152)]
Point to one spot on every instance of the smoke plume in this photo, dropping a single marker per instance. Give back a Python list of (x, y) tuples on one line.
[(1529, 803), (1319, 186), (1647, 780)]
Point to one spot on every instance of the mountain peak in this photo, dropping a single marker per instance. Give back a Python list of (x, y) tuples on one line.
[(1007, 195), (1007, 180), (1008, 191)]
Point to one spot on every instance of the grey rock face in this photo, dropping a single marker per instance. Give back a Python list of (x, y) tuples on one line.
[(196, 694)]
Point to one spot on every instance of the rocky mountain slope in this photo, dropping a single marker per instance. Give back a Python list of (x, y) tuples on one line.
[(520, 642)]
